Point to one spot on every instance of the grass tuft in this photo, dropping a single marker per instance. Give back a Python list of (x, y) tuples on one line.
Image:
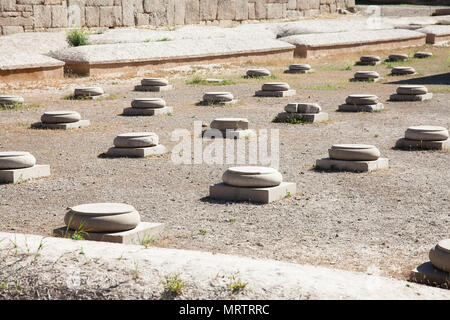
[(77, 38)]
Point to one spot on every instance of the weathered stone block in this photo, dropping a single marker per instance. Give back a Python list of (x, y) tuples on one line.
[(142, 19), (274, 11), (153, 88), (127, 12), (110, 16), (407, 144), (11, 30), (427, 274), (146, 112), (306, 117), (352, 166), (226, 10), (59, 17), (276, 94), (21, 175), (42, 16), (61, 126), (241, 10), (222, 191), (192, 11), (136, 152), (208, 9), (411, 97), (180, 10)]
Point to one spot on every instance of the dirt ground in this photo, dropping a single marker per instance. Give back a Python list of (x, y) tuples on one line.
[(382, 222)]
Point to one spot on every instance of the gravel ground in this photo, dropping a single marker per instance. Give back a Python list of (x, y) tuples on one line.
[(384, 221)]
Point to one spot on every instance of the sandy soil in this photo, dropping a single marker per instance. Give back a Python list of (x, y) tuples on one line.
[(382, 222)]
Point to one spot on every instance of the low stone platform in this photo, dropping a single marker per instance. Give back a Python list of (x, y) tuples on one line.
[(436, 33), (427, 274), (360, 108), (136, 152), (407, 144), (146, 112), (312, 45), (228, 134), (410, 97), (19, 66), (137, 58), (306, 117), (276, 94), (222, 191), (21, 175), (61, 126), (353, 166), (365, 79), (153, 88), (143, 232), (298, 71)]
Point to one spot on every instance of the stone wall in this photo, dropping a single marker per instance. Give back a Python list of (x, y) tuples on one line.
[(38, 15)]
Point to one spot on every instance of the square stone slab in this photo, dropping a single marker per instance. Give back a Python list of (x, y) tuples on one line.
[(230, 134), (136, 152), (153, 88), (222, 191), (61, 126), (276, 94), (407, 144), (225, 103), (21, 175), (146, 112), (298, 71), (143, 232), (353, 166), (307, 117), (427, 274), (410, 97), (361, 108)]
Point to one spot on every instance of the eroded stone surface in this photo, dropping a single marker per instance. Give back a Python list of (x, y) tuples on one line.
[(10, 99), (366, 75), (88, 92), (422, 54), (275, 86), (354, 152), (398, 57), (369, 58), (403, 70), (362, 99), (136, 140), (412, 89), (252, 177), (300, 66), (229, 123), (440, 255), (303, 107), (217, 97), (16, 160), (148, 103), (262, 72), (361, 107), (426, 133), (102, 217), (53, 117), (158, 82)]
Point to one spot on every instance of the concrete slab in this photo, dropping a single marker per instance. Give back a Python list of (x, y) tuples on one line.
[(21, 175), (222, 191), (360, 108), (61, 126), (144, 231), (427, 274), (146, 112), (407, 144), (153, 88), (306, 117), (225, 103), (229, 134), (411, 97), (136, 152), (275, 94), (353, 166)]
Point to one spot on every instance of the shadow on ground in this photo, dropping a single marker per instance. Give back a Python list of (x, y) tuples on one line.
[(443, 78)]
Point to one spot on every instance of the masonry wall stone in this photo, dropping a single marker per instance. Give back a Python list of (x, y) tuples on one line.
[(38, 15)]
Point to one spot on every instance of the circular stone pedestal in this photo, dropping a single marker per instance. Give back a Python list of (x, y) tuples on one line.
[(370, 59), (102, 217), (426, 133), (362, 99), (148, 103), (252, 177), (136, 140), (258, 72), (366, 75), (88, 92), (402, 70), (398, 57), (53, 117), (421, 55), (412, 89), (440, 255), (217, 97), (275, 86), (16, 160), (7, 100), (354, 152), (300, 67), (155, 82), (229, 123)]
